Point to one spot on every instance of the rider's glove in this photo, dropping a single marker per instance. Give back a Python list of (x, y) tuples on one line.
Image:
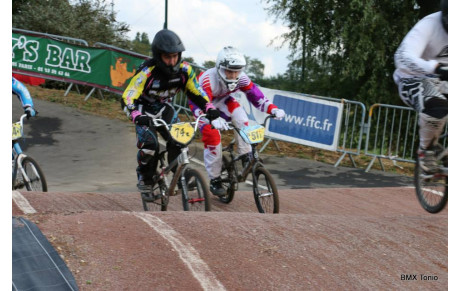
[(142, 120), (220, 124), (443, 71), (30, 112), (279, 113), (211, 112)]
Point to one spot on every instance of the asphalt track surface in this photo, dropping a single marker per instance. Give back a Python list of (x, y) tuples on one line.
[(339, 228)]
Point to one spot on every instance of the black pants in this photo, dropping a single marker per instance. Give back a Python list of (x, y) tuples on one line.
[(149, 147)]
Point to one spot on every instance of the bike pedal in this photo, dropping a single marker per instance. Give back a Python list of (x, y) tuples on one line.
[(146, 197)]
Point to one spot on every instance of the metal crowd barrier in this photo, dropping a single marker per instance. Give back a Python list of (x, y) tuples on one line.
[(392, 133)]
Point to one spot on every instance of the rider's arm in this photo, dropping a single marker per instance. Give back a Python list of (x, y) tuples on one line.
[(194, 92), (254, 95), (408, 57), (134, 90), (23, 94)]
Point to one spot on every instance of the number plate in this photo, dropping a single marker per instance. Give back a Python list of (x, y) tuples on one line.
[(17, 130), (182, 133), (254, 133)]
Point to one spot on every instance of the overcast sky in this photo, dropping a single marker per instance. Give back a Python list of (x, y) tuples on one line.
[(206, 26)]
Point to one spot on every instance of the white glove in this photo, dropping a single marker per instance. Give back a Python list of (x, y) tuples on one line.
[(220, 124), (279, 113)]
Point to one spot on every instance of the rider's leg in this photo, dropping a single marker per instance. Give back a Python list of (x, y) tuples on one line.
[(213, 158), (147, 142), (425, 97), (231, 108)]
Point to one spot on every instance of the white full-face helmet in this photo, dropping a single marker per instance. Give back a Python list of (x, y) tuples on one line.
[(231, 59)]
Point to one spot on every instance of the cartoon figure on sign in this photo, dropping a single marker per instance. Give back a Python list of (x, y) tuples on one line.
[(120, 74)]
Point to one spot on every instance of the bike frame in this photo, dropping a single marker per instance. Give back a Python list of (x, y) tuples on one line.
[(181, 162), (18, 156), (254, 162)]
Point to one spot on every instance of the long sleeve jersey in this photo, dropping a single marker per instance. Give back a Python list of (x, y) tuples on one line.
[(216, 89), (423, 48), (150, 87), (23, 94)]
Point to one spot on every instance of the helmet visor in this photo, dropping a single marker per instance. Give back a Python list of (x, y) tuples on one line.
[(230, 74)]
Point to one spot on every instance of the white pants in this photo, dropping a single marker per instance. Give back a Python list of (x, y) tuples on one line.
[(231, 110)]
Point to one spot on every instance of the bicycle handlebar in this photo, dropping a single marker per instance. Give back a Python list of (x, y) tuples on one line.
[(21, 120), (157, 122), (232, 126)]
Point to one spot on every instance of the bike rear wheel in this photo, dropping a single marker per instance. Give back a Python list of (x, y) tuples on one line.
[(157, 199), (228, 176), (265, 191), (196, 194), (35, 175), (431, 190)]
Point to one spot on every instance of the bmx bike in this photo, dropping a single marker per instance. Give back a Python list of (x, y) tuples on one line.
[(431, 189), (263, 185), (26, 171), (190, 182)]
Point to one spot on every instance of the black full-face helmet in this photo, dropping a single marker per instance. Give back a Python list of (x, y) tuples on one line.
[(444, 13), (166, 41)]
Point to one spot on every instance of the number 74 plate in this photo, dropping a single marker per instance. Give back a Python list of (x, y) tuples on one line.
[(182, 133)]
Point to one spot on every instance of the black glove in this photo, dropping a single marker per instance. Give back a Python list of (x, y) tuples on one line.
[(212, 113), (443, 71), (142, 120), (30, 112)]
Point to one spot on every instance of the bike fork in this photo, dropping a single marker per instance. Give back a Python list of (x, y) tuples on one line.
[(20, 169)]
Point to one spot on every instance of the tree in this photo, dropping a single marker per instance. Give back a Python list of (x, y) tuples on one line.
[(141, 44), (90, 20), (254, 68), (189, 60), (209, 64), (345, 48)]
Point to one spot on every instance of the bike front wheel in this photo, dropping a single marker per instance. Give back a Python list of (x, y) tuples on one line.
[(265, 191), (37, 181), (431, 190), (157, 199), (195, 196)]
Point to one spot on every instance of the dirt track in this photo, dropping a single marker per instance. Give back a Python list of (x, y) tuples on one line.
[(329, 239)]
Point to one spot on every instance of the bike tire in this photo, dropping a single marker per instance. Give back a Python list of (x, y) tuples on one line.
[(431, 192), (265, 191), (196, 195), (228, 176), (161, 201), (35, 174)]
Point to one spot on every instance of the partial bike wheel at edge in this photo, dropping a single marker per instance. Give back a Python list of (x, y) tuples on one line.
[(228, 176), (431, 190), (158, 199), (196, 196), (265, 191), (35, 174)]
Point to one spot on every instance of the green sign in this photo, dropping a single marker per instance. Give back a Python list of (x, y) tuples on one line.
[(47, 58)]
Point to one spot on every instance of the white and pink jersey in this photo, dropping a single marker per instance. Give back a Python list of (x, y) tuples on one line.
[(230, 109), (218, 92)]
